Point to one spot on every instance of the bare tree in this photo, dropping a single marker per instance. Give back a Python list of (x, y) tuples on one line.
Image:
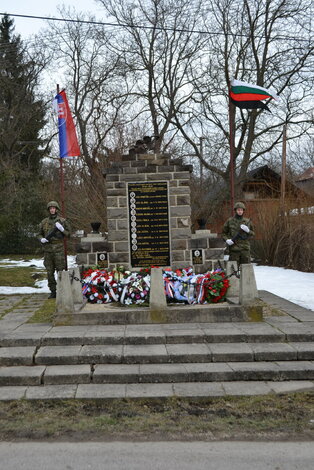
[(264, 42), (93, 76), (160, 47), (165, 68)]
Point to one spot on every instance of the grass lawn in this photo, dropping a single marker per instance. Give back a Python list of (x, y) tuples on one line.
[(45, 313), (271, 417), (19, 276)]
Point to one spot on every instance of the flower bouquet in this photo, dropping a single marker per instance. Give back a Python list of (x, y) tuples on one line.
[(186, 286), (102, 286)]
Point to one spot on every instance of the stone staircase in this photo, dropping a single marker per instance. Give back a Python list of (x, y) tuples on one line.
[(156, 360)]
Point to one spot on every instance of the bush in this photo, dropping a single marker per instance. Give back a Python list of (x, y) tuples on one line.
[(287, 239)]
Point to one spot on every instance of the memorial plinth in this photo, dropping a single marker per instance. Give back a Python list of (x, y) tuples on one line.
[(92, 250)]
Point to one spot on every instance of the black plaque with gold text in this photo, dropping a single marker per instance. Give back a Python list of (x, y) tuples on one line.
[(149, 224)]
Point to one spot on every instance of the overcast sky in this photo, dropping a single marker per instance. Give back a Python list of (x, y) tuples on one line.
[(26, 26)]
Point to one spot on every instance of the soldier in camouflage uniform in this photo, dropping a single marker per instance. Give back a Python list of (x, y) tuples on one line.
[(52, 231), (237, 231)]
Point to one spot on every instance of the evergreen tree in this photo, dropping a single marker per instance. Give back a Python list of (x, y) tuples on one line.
[(21, 120)]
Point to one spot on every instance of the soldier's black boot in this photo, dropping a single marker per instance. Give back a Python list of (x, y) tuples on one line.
[(52, 295)]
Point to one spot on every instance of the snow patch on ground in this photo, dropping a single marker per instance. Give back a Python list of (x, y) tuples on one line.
[(295, 286)]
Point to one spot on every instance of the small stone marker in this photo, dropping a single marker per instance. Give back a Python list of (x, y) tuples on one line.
[(64, 300), (248, 288), (76, 286), (234, 288), (157, 297)]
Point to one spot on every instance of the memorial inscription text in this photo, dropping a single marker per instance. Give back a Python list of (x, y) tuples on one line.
[(149, 224)]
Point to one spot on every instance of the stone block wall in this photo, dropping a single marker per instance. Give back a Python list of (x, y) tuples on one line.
[(148, 168), (211, 247), (88, 249)]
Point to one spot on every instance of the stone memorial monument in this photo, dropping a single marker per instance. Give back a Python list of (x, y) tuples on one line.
[(149, 215)]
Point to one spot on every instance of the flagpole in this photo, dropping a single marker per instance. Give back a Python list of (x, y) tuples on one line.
[(65, 247), (283, 169), (231, 146)]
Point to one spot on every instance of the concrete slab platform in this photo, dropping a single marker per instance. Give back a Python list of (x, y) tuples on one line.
[(253, 371), (51, 392), (102, 314), (197, 335), (291, 386), (145, 353), (110, 337), (67, 374), (116, 373), (21, 338), (21, 375), (191, 352), (55, 355), (209, 372), (138, 391), (211, 389), (298, 332), (305, 351), (14, 356), (65, 335), (232, 334), (145, 336), (294, 310), (273, 352), (149, 390), (162, 373), (12, 393), (226, 352), (100, 354), (246, 388), (258, 332), (297, 370), (100, 391)]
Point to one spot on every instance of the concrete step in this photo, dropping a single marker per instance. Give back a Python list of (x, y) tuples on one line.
[(156, 353), (108, 314), (156, 373), (232, 332)]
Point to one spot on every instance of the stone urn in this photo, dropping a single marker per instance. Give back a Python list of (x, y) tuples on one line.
[(95, 227)]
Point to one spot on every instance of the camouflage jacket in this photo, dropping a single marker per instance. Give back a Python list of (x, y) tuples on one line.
[(232, 228), (48, 229)]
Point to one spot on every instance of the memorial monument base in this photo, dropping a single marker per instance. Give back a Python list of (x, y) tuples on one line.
[(110, 314)]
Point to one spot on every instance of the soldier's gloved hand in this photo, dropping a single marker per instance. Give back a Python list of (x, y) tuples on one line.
[(229, 242), (245, 228), (59, 226), (44, 240)]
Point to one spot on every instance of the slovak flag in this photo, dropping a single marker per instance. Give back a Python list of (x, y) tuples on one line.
[(68, 143)]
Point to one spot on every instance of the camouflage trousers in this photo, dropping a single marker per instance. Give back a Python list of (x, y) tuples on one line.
[(53, 261), (242, 257)]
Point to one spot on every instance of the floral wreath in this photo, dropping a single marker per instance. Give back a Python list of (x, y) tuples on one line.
[(126, 287)]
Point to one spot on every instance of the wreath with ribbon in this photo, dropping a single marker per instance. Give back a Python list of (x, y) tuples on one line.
[(126, 287)]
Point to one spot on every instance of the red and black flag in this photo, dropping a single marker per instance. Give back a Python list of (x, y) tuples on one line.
[(246, 96)]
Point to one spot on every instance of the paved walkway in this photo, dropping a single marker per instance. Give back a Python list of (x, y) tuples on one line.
[(15, 311)]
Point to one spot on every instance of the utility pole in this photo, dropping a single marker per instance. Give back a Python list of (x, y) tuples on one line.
[(202, 156), (283, 170)]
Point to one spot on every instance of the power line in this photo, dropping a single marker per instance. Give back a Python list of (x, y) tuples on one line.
[(158, 28)]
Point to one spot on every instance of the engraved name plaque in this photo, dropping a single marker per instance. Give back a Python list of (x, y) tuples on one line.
[(149, 224)]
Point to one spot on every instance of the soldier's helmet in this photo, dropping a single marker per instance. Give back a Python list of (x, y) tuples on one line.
[(53, 204), (239, 205)]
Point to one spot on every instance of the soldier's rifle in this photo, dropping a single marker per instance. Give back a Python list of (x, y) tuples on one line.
[(53, 234), (241, 235)]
